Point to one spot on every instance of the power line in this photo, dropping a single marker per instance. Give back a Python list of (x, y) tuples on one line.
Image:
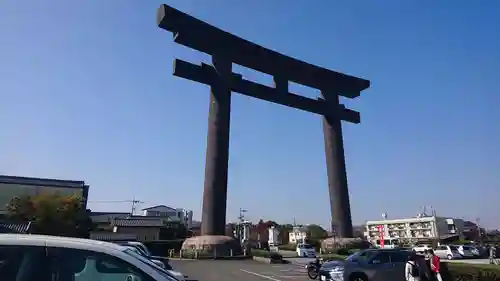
[(134, 203)]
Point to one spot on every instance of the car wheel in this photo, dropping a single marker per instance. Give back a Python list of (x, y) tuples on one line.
[(358, 277), (450, 257)]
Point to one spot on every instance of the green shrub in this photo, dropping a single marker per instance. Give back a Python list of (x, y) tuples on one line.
[(335, 257), (473, 272), (267, 254), (288, 247), (342, 252)]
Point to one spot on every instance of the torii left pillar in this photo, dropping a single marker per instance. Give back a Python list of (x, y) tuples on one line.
[(340, 207), (213, 220)]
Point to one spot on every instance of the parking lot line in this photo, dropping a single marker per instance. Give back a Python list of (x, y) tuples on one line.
[(260, 275)]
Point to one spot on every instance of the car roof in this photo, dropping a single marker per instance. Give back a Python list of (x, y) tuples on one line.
[(58, 241), (387, 250)]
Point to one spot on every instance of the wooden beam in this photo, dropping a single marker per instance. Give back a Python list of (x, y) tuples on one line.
[(280, 84), (199, 35), (206, 74)]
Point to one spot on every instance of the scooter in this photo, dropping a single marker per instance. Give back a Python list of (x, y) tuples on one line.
[(313, 268)]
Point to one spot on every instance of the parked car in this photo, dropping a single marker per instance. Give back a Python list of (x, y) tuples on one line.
[(449, 252), (136, 244), (465, 251), (420, 248), (144, 250), (475, 251), (369, 264), (140, 252), (306, 250), (179, 276), (38, 257)]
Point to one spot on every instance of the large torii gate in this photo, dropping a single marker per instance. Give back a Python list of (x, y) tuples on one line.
[(226, 49)]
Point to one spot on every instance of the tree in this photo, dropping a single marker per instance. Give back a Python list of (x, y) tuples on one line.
[(316, 232), (52, 214), (173, 230)]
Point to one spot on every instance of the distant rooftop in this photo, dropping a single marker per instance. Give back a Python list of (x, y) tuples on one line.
[(41, 181), (159, 206)]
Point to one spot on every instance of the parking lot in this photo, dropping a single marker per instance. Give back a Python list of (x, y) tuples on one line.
[(248, 270), (242, 270)]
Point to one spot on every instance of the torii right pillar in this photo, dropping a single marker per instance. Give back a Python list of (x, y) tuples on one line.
[(340, 207)]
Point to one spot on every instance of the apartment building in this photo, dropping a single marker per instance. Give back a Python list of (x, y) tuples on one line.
[(411, 230), (173, 214), (299, 234)]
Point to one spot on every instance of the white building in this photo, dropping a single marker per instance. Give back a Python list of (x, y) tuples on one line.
[(411, 230), (298, 235), (173, 214), (274, 235)]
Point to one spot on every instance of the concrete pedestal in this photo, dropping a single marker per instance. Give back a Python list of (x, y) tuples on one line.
[(213, 245)]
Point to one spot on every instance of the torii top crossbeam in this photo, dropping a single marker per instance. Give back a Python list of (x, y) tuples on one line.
[(196, 34)]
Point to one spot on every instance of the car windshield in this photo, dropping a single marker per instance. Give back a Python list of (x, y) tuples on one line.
[(306, 246), (149, 263), (453, 248), (467, 248), (359, 256)]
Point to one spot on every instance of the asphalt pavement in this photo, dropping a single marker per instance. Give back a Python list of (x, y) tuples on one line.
[(241, 270)]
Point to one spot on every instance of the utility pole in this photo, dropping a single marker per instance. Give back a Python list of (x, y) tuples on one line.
[(242, 214), (240, 224), (134, 205), (479, 231)]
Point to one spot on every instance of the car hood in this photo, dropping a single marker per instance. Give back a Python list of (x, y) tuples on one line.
[(332, 264)]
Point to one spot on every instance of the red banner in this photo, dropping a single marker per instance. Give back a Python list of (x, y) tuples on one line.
[(381, 235)]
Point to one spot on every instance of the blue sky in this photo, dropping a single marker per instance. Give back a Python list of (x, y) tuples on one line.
[(87, 94)]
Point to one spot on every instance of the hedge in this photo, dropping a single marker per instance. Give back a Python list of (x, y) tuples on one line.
[(331, 257), (267, 254), (454, 271), (162, 248), (288, 247)]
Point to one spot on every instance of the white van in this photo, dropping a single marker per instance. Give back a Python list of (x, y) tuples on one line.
[(306, 250)]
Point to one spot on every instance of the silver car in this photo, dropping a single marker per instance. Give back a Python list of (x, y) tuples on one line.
[(369, 264)]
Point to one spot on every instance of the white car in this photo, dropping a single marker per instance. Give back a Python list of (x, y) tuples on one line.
[(447, 252), (38, 257), (421, 248), (306, 250)]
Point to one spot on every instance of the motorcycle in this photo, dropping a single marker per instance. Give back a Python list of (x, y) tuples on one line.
[(313, 268)]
